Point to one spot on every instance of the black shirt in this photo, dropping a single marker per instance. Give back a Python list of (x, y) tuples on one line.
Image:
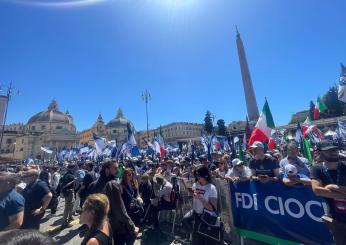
[(66, 179), (145, 189), (328, 176), (11, 203), (34, 194), (265, 166)]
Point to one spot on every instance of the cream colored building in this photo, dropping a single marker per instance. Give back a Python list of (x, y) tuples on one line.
[(51, 128), (173, 133), (115, 129)]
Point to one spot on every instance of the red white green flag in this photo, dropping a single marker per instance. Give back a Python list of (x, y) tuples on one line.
[(319, 107), (264, 126)]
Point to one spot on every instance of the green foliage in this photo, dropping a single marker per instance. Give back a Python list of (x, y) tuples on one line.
[(221, 128), (208, 123), (334, 105)]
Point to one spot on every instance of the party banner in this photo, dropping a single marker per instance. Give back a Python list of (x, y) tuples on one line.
[(278, 214)]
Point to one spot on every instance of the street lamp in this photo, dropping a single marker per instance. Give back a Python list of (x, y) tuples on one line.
[(146, 98), (8, 95)]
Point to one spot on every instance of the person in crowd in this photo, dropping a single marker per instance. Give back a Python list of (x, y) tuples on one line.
[(163, 169), (89, 177), (162, 201), (145, 190), (239, 172), (55, 177), (27, 236), (185, 167), (133, 203), (124, 230), (95, 215), (292, 158), (67, 189), (37, 198), (291, 176), (204, 198), (263, 167), (79, 176), (53, 204), (222, 169), (11, 203), (329, 181)]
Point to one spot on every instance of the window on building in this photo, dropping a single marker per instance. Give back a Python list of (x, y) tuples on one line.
[(58, 127), (33, 128), (43, 127), (9, 141), (114, 131), (22, 141), (21, 149)]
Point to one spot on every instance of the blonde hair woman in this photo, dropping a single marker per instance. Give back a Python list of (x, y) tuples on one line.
[(94, 215)]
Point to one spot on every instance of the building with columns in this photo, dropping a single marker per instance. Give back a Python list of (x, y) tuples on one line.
[(173, 133)]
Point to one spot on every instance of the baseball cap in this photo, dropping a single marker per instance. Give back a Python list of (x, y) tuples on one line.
[(257, 144), (236, 162), (325, 145), (290, 169)]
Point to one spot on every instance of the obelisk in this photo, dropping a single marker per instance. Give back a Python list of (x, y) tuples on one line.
[(251, 103)]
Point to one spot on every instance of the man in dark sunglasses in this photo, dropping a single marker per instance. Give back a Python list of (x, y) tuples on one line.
[(37, 196)]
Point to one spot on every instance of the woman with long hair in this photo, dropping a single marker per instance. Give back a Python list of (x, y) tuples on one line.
[(95, 216), (130, 195)]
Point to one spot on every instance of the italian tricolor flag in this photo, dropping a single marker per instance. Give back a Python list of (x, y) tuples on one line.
[(319, 107), (264, 126)]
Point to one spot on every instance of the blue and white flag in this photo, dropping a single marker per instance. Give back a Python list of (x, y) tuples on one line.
[(85, 149), (205, 142), (341, 130), (100, 144), (46, 149), (215, 143), (342, 84), (130, 147)]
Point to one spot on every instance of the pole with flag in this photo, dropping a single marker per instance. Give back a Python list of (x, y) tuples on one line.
[(264, 126), (320, 107)]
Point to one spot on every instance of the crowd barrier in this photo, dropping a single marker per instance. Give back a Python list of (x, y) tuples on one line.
[(269, 212)]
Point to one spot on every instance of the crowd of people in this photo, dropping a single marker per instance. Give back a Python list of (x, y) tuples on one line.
[(117, 200)]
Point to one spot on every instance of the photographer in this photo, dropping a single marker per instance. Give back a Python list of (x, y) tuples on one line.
[(329, 181)]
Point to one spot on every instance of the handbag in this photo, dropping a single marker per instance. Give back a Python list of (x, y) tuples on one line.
[(211, 225)]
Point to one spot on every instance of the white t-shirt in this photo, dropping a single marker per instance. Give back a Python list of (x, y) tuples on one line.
[(165, 191), (207, 191)]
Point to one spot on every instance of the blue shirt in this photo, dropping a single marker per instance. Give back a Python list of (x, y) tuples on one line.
[(299, 176), (11, 203)]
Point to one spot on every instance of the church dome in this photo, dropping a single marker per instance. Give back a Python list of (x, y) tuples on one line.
[(119, 121), (52, 115)]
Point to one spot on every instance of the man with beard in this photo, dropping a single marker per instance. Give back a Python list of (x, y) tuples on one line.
[(124, 230), (329, 181)]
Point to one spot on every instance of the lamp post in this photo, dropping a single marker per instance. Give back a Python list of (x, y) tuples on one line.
[(8, 95), (146, 98)]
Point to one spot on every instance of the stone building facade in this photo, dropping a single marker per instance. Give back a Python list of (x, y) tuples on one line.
[(115, 129), (173, 133), (51, 128)]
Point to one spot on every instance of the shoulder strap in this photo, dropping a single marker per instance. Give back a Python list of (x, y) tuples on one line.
[(127, 191)]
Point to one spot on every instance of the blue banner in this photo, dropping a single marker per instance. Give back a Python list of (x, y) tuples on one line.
[(291, 214)]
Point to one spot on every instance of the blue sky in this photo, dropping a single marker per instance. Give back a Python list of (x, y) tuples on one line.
[(97, 57)]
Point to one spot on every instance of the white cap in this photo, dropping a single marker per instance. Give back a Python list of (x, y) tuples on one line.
[(257, 144), (290, 169), (236, 162)]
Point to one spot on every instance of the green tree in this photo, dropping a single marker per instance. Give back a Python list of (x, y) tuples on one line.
[(208, 123), (334, 105), (221, 128)]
